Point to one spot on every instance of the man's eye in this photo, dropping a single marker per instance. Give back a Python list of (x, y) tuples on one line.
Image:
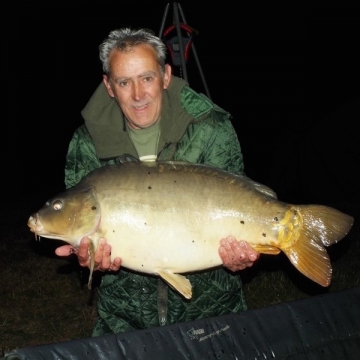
[(148, 78), (123, 83)]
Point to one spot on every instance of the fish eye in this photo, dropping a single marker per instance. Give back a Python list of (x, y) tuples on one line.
[(57, 205)]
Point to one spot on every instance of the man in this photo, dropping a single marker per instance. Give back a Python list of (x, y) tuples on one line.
[(142, 110)]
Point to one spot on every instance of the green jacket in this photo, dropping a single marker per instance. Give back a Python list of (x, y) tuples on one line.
[(192, 129)]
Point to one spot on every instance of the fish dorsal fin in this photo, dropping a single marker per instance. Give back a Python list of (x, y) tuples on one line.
[(215, 171), (179, 282), (125, 158), (262, 188)]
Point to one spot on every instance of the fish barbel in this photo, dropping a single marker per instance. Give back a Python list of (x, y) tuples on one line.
[(167, 219)]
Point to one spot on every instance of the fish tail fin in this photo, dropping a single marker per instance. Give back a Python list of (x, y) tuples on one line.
[(321, 226), (311, 259), (326, 223)]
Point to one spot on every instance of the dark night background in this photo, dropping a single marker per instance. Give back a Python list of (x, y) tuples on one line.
[(288, 74)]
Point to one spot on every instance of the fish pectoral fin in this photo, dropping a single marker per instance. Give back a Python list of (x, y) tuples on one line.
[(179, 282), (92, 262), (266, 249)]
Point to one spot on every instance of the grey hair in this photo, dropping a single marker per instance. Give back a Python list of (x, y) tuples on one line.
[(126, 38)]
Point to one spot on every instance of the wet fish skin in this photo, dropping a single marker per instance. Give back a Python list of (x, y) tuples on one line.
[(167, 218)]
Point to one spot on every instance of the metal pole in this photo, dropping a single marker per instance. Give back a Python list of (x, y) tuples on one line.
[(163, 20), (178, 30), (196, 58)]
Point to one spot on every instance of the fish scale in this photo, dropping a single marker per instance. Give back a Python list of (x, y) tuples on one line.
[(167, 219)]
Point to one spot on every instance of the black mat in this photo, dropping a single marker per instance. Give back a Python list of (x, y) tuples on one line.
[(321, 327)]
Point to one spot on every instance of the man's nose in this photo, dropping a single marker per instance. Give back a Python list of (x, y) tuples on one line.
[(138, 91)]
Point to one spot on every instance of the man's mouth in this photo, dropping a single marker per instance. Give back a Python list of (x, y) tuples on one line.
[(140, 107)]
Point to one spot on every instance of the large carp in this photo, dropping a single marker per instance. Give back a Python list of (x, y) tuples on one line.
[(167, 218)]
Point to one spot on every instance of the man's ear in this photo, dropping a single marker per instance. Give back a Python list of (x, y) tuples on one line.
[(167, 76), (108, 86)]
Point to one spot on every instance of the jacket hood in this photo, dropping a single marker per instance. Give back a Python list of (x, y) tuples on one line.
[(105, 120)]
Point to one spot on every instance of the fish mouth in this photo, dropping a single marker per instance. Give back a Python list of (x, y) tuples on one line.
[(35, 225)]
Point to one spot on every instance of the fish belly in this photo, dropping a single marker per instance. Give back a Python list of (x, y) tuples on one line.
[(164, 223)]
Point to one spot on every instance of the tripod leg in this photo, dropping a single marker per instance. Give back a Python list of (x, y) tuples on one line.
[(163, 21), (178, 30), (196, 58)]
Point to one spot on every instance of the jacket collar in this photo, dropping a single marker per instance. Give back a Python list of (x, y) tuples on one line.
[(106, 125)]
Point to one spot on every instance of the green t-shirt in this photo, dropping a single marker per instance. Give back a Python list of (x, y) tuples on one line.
[(146, 141)]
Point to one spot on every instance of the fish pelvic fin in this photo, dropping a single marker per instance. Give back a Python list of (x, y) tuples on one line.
[(321, 226), (178, 282)]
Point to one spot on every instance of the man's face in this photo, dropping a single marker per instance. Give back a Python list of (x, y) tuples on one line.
[(137, 84)]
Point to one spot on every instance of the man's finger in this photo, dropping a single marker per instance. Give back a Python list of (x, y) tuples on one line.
[(65, 250)]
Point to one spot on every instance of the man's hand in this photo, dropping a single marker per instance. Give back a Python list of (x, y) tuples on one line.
[(237, 255), (102, 255)]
